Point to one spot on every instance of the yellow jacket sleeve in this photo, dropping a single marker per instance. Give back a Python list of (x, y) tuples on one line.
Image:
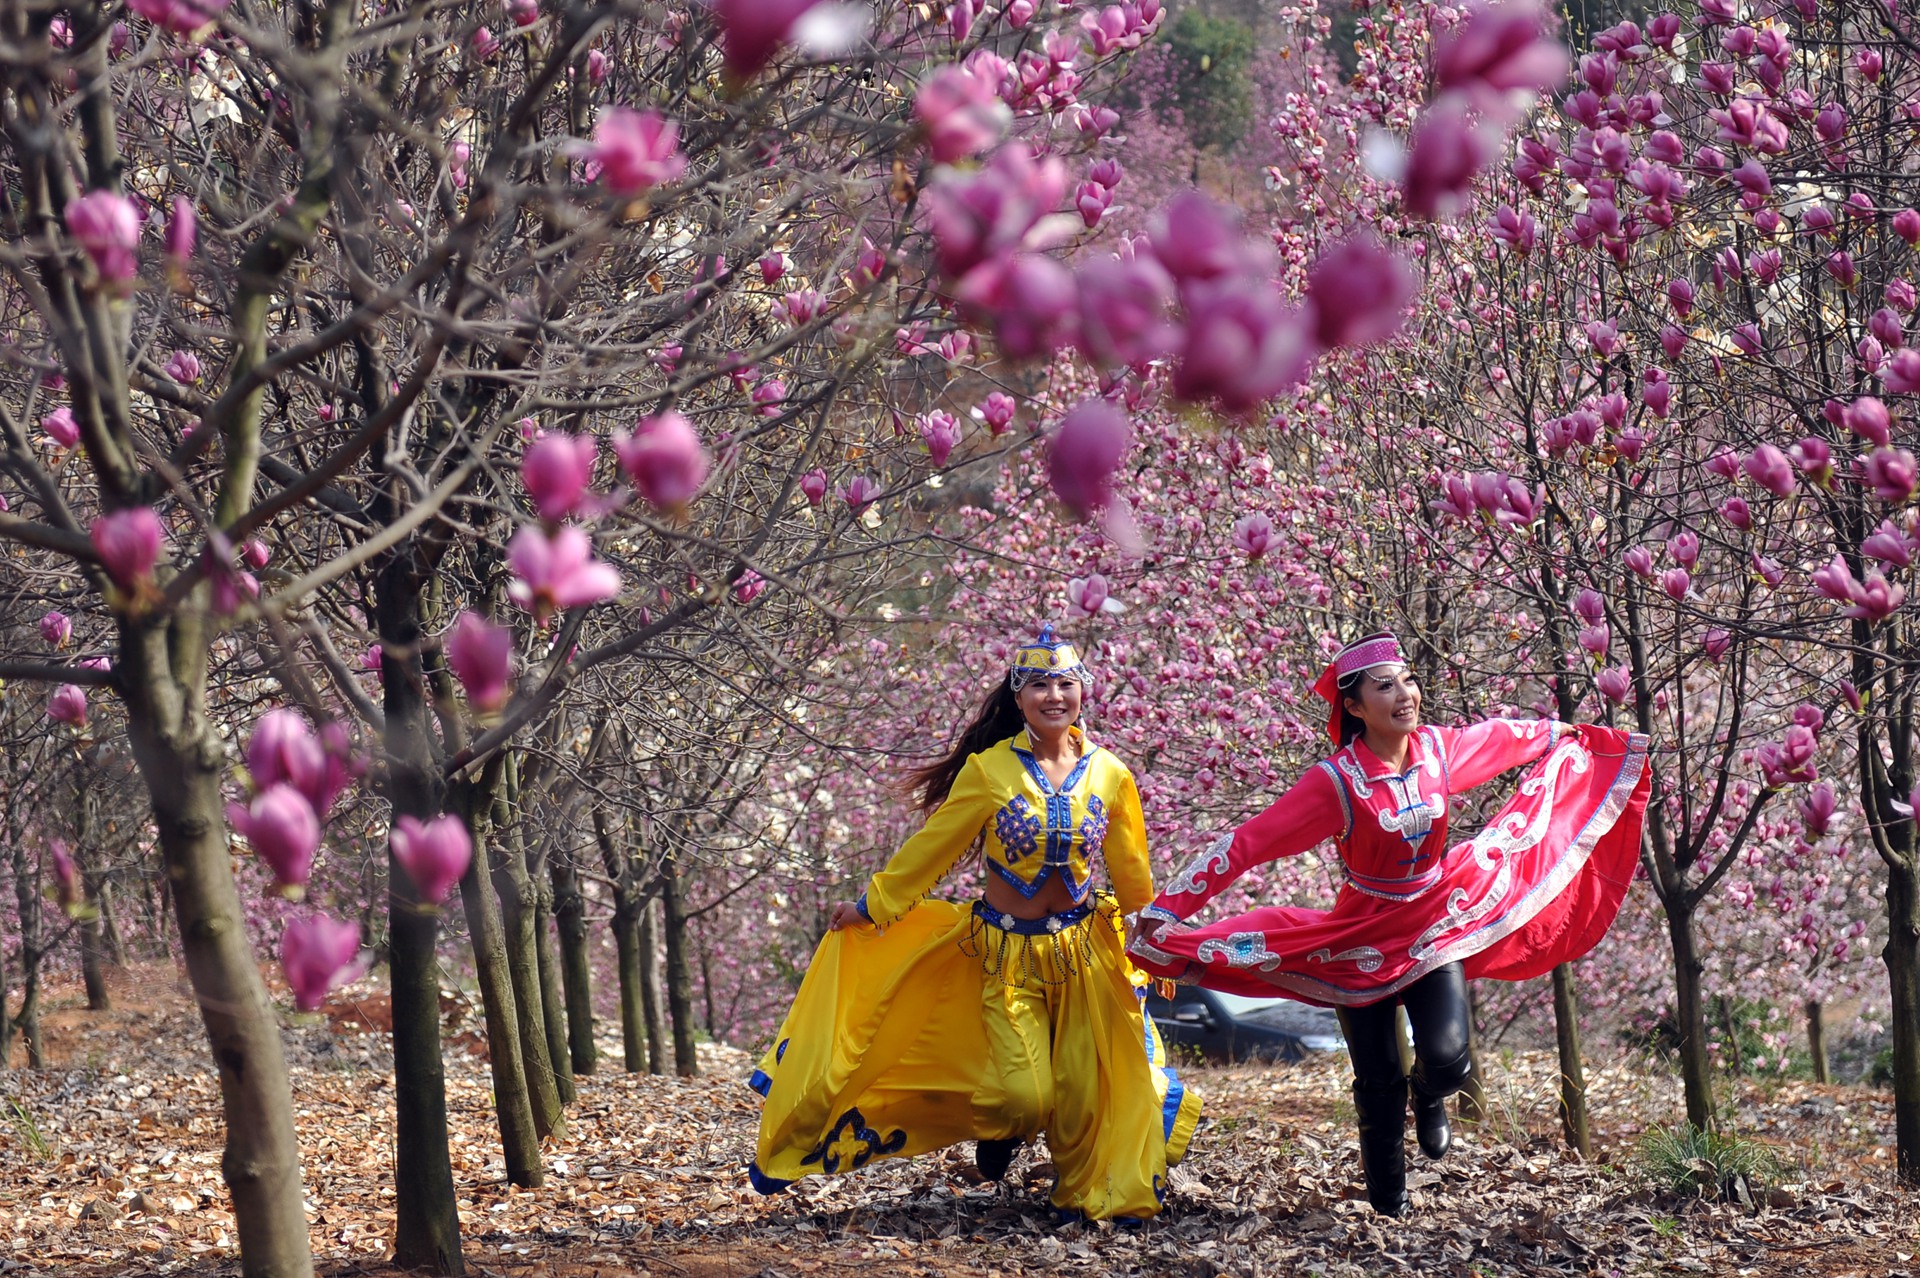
[(924, 859), (1125, 849)]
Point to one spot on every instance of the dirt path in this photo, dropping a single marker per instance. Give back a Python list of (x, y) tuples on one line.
[(111, 1166)]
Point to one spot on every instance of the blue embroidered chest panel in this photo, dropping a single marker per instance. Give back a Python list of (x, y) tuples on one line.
[(1050, 831)]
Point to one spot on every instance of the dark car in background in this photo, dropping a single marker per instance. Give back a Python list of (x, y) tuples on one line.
[(1227, 1027)]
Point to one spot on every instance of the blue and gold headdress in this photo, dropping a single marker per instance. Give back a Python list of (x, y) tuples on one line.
[(1046, 657)]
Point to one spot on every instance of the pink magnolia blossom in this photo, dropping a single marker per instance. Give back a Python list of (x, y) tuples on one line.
[(60, 427), (813, 485), (1736, 512), (557, 572), (1448, 149), (940, 432), (1590, 606), (1091, 201), (1124, 308), (556, 470), (1814, 459), (69, 892), (316, 954), (68, 704), (283, 828), (636, 150), (773, 267), (1496, 48), (1906, 224), (1245, 343), (523, 13), (483, 43), (1890, 544), (962, 113), (179, 16), (1835, 581), (1868, 418), (284, 750), (752, 31), (183, 367), (1359, 291), (255, 552), (996, 411), (56, 629), (1596, 638), (1253, 535), (1902, 373), (1639, 560), (1817, 808), (480, 654), (1614, 683), (1768, 467), (1716, 642), (1673, 340), (664, 459), (749, 586), (1086, 451), (597, 67), (1890, 472), (1088, 595), (435, 854), (859, 493), (1685, 549), (1676, 582), (107, 228), (128, 544)]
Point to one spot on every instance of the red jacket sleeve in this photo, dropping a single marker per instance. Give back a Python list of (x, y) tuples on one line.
[(1304, 817), (1479, 753)]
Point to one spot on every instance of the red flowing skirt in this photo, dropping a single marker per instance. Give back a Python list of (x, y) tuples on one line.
[(1537, 887)]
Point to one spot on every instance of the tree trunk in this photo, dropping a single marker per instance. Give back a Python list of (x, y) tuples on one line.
[(110, 923), (427, 1219), (91, 958), (650, 991), (513, 1105), (629, 908), (181, 762), (551, 1005), (1817, 1039), (28, 1021), (1573, 1079), (576, 967), (679, 976), (516, 917), (1902, 957), (1690, 1019)]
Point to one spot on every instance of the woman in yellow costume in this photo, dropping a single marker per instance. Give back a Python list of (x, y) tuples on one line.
[(926, 1022)]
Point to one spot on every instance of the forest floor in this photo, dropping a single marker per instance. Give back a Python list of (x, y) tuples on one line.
[(109, 1165)]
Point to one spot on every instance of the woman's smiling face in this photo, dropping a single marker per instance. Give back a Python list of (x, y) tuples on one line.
[(1051, 706), (1387, 701)]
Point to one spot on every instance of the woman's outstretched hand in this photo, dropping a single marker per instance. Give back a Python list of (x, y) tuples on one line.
[(846, 914)]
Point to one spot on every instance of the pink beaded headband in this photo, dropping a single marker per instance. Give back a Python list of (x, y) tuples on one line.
[(1362, 654)]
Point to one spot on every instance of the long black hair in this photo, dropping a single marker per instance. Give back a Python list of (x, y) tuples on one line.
[(998, 718)]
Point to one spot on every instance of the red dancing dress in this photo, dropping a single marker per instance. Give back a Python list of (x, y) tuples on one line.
[(1538, 886)]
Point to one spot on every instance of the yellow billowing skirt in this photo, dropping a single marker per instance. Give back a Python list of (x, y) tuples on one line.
[(958, 1023)]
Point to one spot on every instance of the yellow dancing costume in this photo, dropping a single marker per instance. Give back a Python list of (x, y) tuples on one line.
[(946, 1022)]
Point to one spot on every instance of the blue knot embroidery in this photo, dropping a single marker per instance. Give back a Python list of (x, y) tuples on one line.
[(1093, 827), (1018, 827), (852, 1144)]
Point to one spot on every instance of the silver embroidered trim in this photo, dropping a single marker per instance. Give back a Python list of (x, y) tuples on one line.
[(1241, 949), (1193, 878), (1356, 776), (1364, 957)]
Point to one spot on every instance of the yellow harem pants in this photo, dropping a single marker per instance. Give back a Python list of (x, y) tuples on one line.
[(950, 1026)]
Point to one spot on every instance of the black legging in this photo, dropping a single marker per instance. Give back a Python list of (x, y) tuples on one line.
[(1442, 1035)]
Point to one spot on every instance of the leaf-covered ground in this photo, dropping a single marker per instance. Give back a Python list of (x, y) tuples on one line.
[(109, 1164)]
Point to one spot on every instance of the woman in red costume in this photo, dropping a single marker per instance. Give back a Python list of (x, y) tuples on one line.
[(1538, 886)]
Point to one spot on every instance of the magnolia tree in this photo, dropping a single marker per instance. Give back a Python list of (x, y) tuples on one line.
[(1702, 489)]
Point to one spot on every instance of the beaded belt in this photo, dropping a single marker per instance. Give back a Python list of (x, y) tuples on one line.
[(1046, 925)]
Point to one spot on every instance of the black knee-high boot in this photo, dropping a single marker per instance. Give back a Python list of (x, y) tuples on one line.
[(1382, 1111)]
